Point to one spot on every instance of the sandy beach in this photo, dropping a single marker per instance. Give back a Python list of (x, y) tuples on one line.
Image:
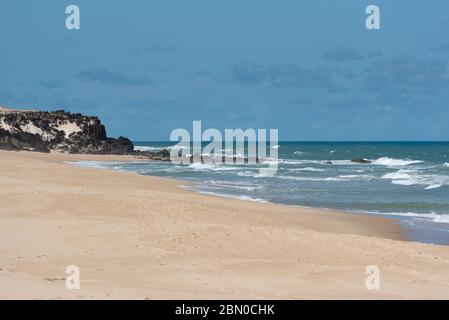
[(139, 237)]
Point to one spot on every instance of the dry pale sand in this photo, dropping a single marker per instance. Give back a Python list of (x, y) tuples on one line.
[(143, 237)]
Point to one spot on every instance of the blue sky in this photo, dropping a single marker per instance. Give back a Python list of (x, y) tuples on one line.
[(309, 68)]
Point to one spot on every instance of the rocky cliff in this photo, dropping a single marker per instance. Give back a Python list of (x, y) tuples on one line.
[(59, 131)]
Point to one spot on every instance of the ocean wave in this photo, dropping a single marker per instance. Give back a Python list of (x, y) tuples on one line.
[(319, 162), (433, 186), (351, 177), (310, 169), (87, 164), (340, 178), (247, 173), (232, 185), (357, 177), (341, 162), (414, 177), (390, 162), (151, 148), (439, 218), (116, 165), (246, 198), (384, 161), (398, 175), (298, 153), (446, 164), (293, 162), (299, 178), (198, 166), (147, 148)]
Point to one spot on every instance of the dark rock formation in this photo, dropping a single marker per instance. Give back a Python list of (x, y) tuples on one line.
[(21, 141), (65, 132), (355, 161), (161, 155), (361, 161), (59, 131)]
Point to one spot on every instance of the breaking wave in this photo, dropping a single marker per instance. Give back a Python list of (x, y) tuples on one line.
[(389, 162), (413, 177), (394, 162), (246, 198), (440, 218), (145, 148)]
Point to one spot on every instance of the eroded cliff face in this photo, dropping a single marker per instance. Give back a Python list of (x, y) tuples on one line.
[(59, 131)]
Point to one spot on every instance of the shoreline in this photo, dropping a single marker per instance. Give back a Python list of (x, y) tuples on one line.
[(415, 227), (385, 220), (138, 236)]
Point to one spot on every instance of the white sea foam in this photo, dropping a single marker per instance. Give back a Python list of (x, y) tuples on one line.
[(350, 177), (433, 186), (302, 162), (320, 162), (340, 178), (414, 177), (150, 148), (394, 162), (146, 148), (288, 161), (333, 179), (298, 178), (246, 198), (94, 164), (390, 162), (440, 218), (232, 185), (297, 153), (221, 184), (310, 169), (357, 177), (108, 165), (198, 166), (446, 164), (341, 162), (262, 174), (398, 175)]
